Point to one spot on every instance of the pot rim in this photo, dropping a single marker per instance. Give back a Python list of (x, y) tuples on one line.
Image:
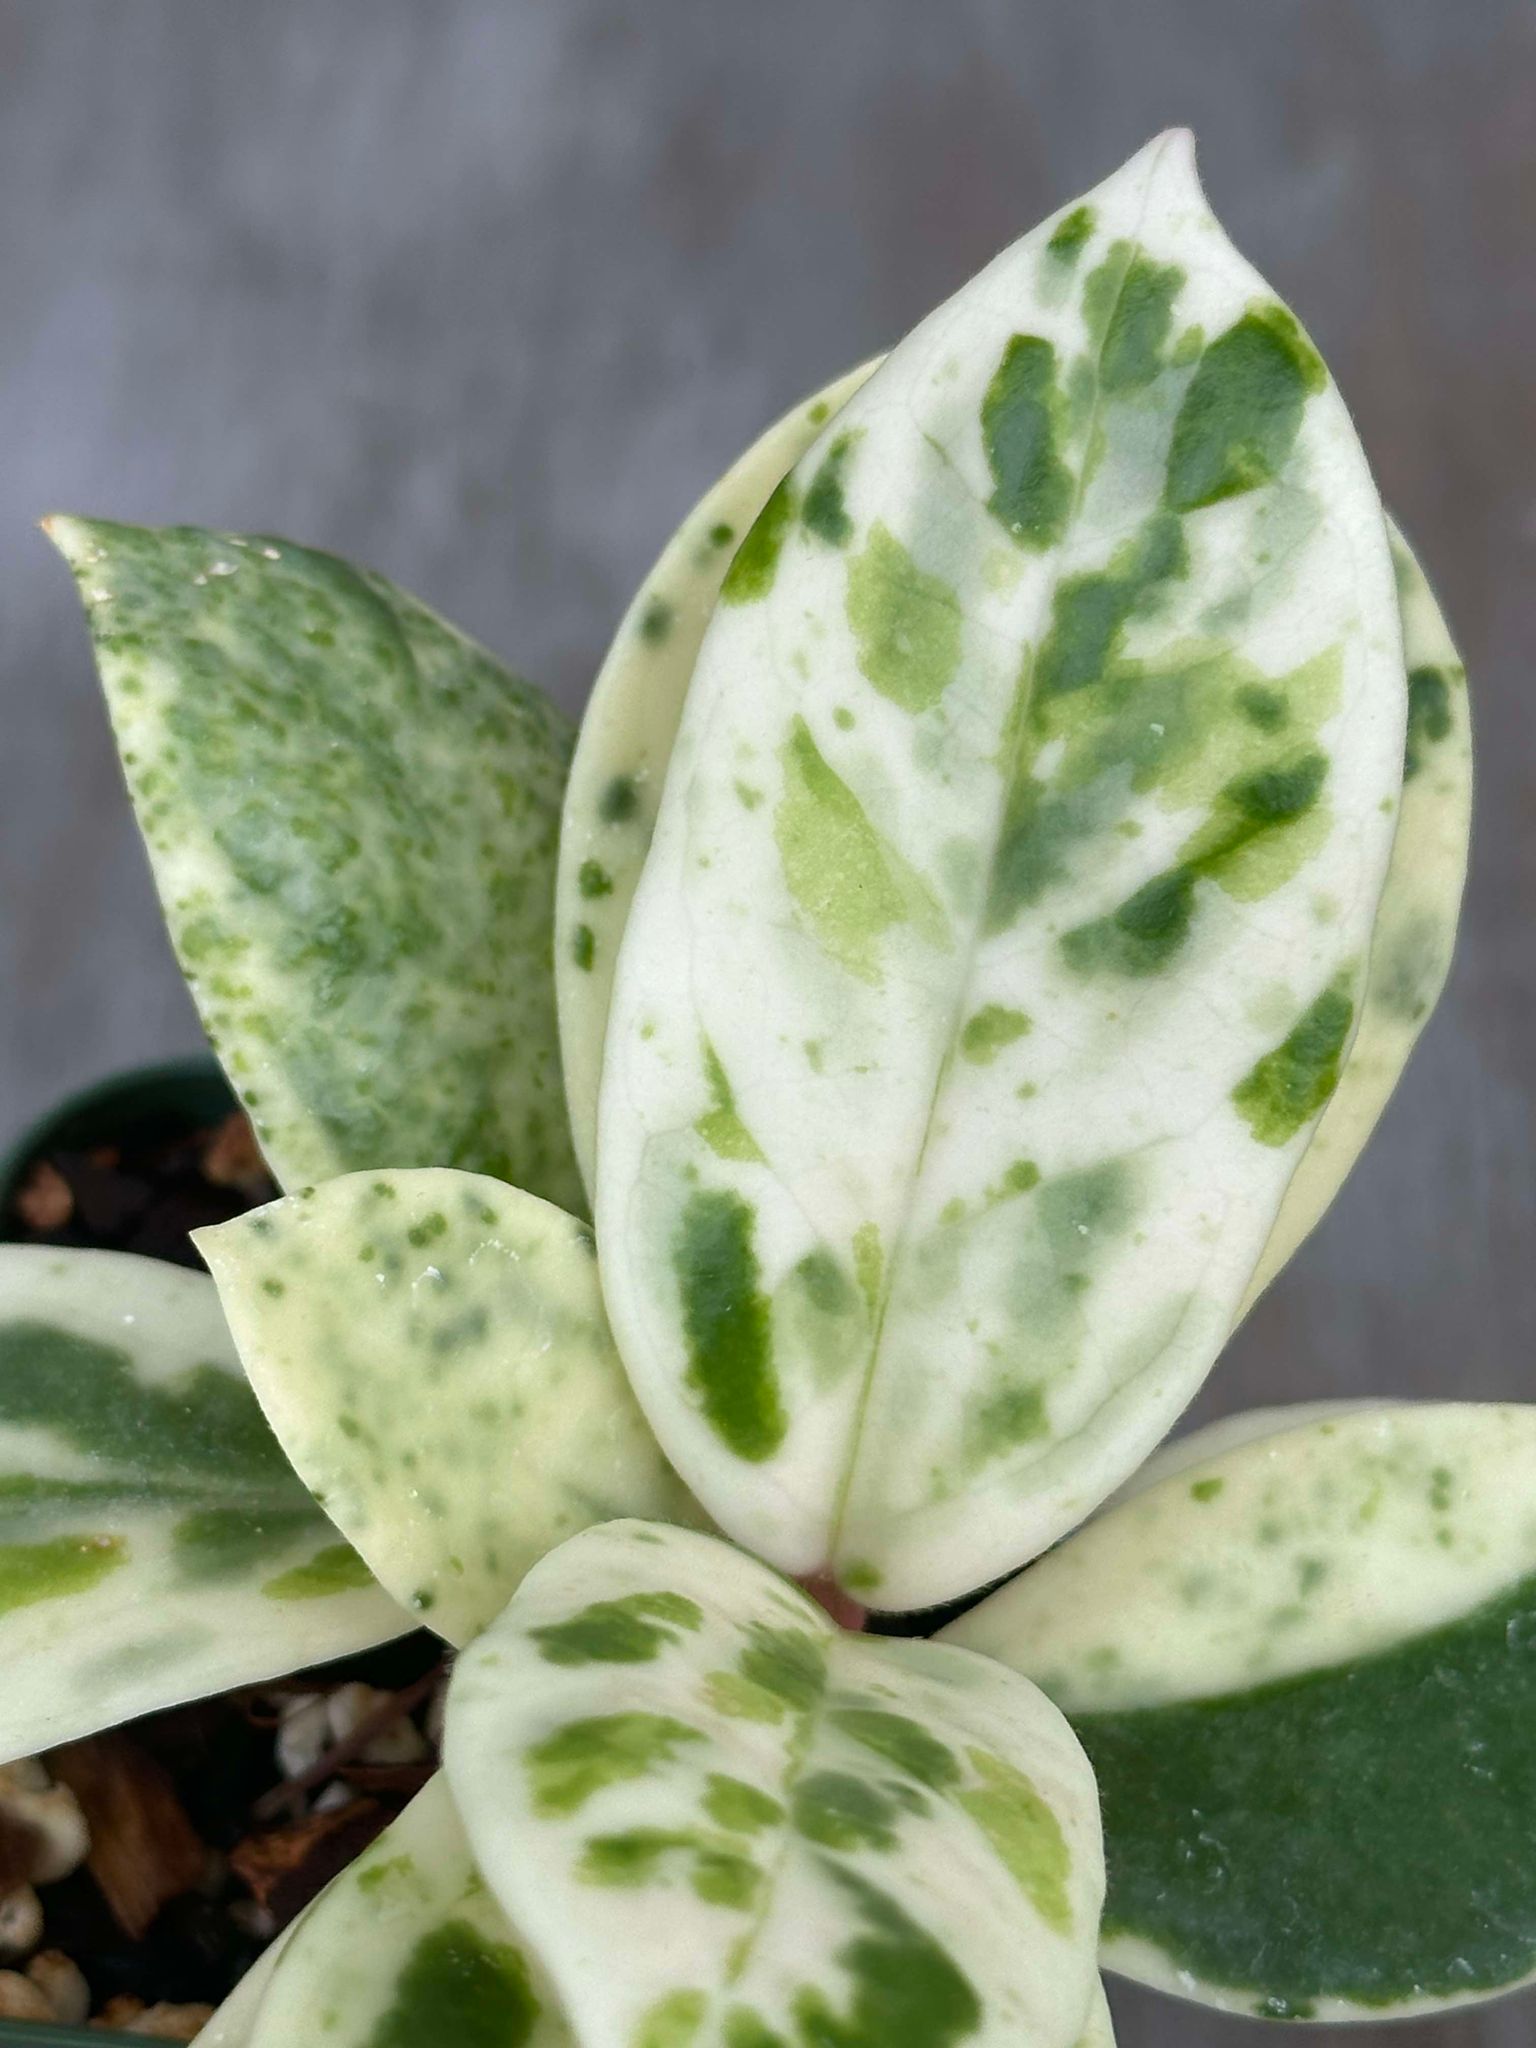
[(192, 1088)]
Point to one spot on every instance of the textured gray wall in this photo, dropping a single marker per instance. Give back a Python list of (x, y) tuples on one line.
[(485, 294)]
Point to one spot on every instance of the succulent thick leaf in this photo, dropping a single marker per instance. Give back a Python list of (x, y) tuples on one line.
[(154, 1544), (1416, 923), (1002, 931), (352, 814), (630, 726), (1304, 1666), (408, 1949), (432, 1351), (627, 731), (722, 1822)]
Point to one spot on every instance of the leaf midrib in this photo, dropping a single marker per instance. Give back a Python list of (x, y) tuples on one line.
[(964, 980)]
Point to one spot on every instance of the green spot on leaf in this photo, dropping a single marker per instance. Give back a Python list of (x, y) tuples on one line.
[(989, 1031), (1142, 936), (1242, 410), (718, 1873), (721, 1126), (1071, 235), (738, 1807), (825, 513), (1288, 1086), (336, 1569), (1429, 715), (456, 1986), (906, 1987), (1129, 301), (632, 1630), (849, 885), (1025, 1833), (568, 1767), (1021, 422), (906, 623), (224, 1543), (30, 1572), (839, 1811), (619, 801), (756, 563), (656, 621), (902, 1742), (673, 2021), (727, 1322)]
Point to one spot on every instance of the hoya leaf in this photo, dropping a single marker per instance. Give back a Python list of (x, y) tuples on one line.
[(352, 812), (1416, 924), (630, 724), (632, 719), (407, 1947), (154, 1544), (1304, 1666), (432, 1350), (722, 1822), (1004, 924)]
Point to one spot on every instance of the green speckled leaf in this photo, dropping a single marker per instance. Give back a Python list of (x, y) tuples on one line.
[(408, 1949), (1416, 923), (1303, 1660), (431, 1349), (751, 1829), (627, 732), (154, 1544), (1015, 876), (352, 813)]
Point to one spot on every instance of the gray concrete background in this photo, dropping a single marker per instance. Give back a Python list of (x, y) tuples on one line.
[(485, 294)]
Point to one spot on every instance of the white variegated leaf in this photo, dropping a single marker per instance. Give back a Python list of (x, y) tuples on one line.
[(627, 731), (630, 725), (431, 1349), (351, 811), (408, 1949), (1303, 1661), (1416, 923), (1008, 906), (721, 1822), (154, 1544)]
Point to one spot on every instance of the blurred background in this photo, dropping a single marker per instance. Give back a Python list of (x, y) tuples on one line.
[(486, 294)]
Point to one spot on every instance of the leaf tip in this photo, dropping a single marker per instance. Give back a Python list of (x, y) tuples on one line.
[(1174, 156), (72, 537)]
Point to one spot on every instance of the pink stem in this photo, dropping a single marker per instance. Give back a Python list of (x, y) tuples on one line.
[(827, 1593)]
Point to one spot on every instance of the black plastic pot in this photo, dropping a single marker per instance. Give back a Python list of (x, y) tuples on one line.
[(168, 1101), (38, 2034)]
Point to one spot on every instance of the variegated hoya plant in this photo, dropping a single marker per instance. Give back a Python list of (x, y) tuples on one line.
[(1011, 850)]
